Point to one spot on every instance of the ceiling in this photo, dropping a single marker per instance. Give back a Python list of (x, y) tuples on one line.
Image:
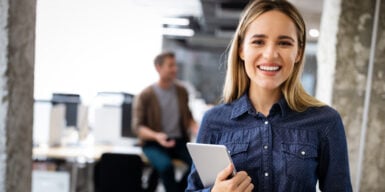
[(214, 21)]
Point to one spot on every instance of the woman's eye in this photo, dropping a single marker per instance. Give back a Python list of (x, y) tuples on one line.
[(258, 42), (285, 43)]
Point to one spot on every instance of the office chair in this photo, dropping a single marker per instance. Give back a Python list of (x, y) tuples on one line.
[(118, 173)]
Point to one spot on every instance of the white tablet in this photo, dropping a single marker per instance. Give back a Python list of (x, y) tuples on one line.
[(209, 160)]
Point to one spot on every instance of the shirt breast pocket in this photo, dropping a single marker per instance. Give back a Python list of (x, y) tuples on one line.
[(238, 153), (301, 159)]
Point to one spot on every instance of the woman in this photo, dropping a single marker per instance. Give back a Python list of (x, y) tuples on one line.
[(279, 137)]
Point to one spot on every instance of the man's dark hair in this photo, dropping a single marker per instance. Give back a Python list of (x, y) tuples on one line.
[(159, 59)]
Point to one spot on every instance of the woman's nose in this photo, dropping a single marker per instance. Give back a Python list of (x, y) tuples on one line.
[(270, 52)]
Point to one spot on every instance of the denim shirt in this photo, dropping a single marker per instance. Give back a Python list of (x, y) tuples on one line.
[(285, 151)]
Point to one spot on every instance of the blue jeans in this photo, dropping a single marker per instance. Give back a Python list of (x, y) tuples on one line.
[(161, 159)]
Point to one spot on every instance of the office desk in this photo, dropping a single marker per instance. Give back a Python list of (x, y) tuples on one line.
[(88, 153), (78, 156)]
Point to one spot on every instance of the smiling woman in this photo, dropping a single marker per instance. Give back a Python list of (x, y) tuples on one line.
[(269, 51), (292, 140), (87, 46)]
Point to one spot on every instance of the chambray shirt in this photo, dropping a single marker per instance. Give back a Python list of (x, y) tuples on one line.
[(285, 151)]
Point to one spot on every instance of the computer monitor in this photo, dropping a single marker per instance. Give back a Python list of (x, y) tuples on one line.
[(82, 121), (71, 102), (127, 115), (57, 124), (112, 117)]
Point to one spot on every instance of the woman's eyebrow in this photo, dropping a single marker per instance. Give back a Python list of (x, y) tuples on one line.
[(259, 36), (285, 37)]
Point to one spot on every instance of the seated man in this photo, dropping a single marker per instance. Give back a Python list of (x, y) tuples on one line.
[(161, 119)]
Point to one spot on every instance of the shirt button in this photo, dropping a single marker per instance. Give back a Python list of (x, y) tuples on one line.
[(303, 153), (266, 174), (265, 147), (266, 122)]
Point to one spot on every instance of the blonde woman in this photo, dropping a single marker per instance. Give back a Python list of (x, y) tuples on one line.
[(280, 138)]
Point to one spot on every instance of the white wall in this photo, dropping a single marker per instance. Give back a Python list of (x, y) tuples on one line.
[(86, 46)]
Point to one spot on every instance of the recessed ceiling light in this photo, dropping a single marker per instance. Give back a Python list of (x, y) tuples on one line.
[(314, 32), (176, 21), (178, 32)]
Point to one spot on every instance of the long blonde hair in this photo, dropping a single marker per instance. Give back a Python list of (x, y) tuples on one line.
[(237, 81)]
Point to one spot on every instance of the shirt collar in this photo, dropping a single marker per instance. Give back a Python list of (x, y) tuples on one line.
[(283, 107), (243, 105)]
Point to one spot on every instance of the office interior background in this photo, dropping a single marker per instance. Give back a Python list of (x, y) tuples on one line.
[(90, 58)]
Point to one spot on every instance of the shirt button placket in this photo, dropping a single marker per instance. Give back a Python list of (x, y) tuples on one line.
[(266, 155)]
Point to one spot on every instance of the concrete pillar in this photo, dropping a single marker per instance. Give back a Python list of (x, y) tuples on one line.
[(17, 36), (344, 53)]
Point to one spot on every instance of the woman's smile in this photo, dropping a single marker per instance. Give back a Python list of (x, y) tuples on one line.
[(269, 69)]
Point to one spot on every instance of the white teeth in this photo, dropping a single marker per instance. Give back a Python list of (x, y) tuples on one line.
[(269, 68)]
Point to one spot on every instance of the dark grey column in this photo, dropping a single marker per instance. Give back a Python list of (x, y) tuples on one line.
[(344, 58), (17, 36)]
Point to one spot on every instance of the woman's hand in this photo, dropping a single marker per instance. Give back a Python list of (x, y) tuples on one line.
[(240, 182)]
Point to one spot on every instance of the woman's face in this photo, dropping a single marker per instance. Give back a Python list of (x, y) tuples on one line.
[(269, 50)]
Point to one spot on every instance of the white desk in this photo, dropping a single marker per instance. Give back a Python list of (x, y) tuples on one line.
[(78, 155), (89, 153)]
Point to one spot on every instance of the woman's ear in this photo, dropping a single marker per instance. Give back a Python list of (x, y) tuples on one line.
[(240, 53), (299, 55)]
